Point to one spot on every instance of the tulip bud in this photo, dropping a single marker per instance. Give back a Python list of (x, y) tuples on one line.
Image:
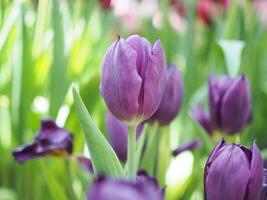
[(172, 98), (144, 188), (133, 78), (118, 135), (230, 103), (233, 172)]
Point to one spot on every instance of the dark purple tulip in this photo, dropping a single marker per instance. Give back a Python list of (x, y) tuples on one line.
[(118, 135), (133, 78), (50, 140), (230, 104), (202, 118), (144, 188), (264, 186), (172, 98), (194, 144), (233, 172)]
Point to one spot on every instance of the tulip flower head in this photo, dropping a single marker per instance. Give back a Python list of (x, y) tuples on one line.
[(50, 140), (133, 78), (229, 105), (172, 99), (233, 172), (144, 188)]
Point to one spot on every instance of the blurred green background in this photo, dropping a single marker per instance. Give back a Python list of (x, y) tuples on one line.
[(48, 45)]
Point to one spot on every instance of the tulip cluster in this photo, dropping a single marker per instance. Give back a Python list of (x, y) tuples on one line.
[(229, 104), (138, 88)]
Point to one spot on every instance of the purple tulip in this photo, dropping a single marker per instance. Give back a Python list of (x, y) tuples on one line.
[(118, 135), (172, 98), (233, 172), (230, 104), (50, 140), (194, 144), (144, 188), (133, 78), (264, 186)]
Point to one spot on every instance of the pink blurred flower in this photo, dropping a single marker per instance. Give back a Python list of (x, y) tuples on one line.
[(131, 13), (261, 10)]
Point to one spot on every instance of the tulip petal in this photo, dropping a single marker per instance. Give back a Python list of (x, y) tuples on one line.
[(143, 49), (118, 135), (85, 163), (264, 186), (121, 83), (144, 188), (155, 80), (214, 99), (194, 144), (236, 106), (172, 99), (50, 140), (256, 167), (203, 119), (210, 159)]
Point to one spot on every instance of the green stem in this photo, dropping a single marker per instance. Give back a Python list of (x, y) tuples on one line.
[(131, 172), (151, 150), (69, 180)]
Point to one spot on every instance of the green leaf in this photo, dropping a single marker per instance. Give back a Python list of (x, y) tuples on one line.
[(58, 71), (103, 157), (57, 192), (232, 50)]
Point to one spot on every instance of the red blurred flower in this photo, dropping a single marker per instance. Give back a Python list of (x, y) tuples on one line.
[(208, 10), (105, 4)]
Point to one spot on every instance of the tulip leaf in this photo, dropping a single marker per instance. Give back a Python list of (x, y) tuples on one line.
[(232, 50), (53, 185), (103, 157)]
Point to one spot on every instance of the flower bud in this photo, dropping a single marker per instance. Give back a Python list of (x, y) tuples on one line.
[(118, 135), (144, 188), (233, 172), (133, 78), (172, 98), (50, 140), (230, 103)]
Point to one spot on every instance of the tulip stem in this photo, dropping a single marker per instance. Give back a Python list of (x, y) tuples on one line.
[(69, 180), (131, 153)]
